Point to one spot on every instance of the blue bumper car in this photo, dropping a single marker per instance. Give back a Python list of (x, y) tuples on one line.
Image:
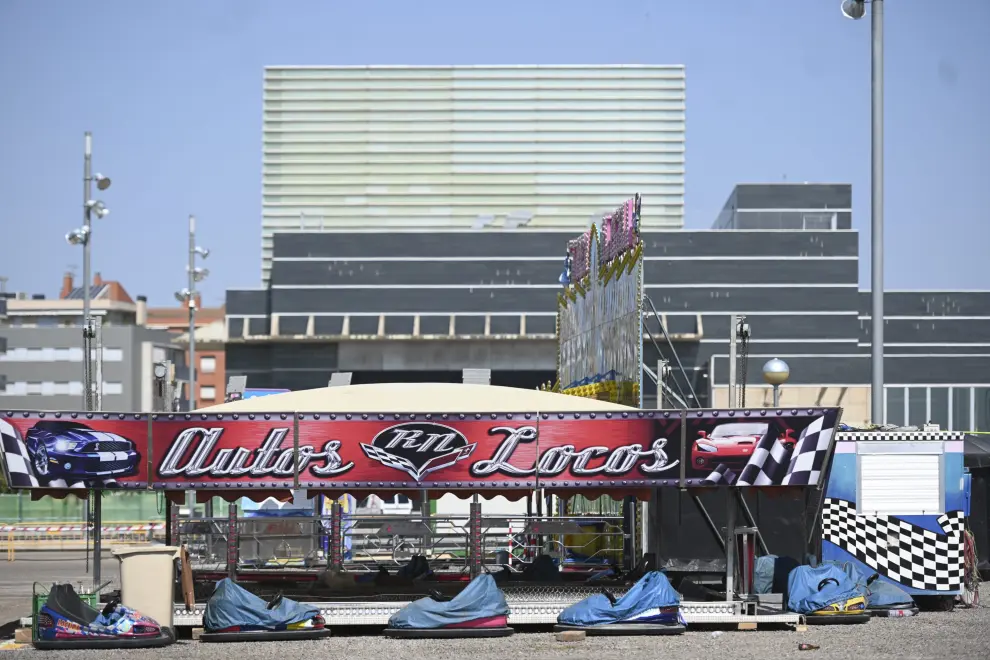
[(825, 595), (883, 598), (650, 607), (234, 614), (479, 610), (66, 622)]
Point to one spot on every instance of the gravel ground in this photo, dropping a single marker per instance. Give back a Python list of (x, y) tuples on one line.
[(959, 635), (962, 635)]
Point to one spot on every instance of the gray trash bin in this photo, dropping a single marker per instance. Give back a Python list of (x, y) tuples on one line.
[(147, 576)]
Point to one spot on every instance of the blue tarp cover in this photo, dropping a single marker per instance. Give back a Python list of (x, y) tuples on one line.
[(638, 604), (231, 605), (880, 594), (802, 588), (480, 599)]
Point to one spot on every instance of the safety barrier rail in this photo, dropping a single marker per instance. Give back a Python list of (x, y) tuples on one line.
[(60, 536), (368, 542)]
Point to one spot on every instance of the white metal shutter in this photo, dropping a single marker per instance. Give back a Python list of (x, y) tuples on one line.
[(900, 484)]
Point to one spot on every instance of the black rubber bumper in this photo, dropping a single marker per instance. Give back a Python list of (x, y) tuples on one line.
[(621, 629), (264, 635), (836, 619), (895, 612), (104, 643), (447, 633)]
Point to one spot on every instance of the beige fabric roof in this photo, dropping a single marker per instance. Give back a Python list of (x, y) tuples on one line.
[(417, 398)]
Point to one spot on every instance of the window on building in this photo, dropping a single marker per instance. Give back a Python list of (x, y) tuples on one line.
[(917, 406), (76, 388), (982, 412), (113, 388), (158, 354), (16, 388), (939, 404), (208, 392), (47, 388), (961, 419), (208, 364), (899, 484), (895, 406), (33, 388), (62, 388), (113, 354)]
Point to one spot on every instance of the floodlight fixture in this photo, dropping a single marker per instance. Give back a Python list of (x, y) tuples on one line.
[(854, 9)]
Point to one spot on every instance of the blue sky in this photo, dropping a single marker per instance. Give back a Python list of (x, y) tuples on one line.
[(172, 93)]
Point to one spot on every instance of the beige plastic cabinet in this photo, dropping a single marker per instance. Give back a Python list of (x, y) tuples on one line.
[(147, 574)]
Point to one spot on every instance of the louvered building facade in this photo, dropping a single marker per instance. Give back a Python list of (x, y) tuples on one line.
[(461, 147)]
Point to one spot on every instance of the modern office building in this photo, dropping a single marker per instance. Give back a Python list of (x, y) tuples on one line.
[(43, 359), (456, 147), (422, 305)]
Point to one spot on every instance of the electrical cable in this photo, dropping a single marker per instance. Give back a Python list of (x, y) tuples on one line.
[(673, 351)]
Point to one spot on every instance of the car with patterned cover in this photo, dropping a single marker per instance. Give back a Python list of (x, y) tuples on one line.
[(71, 449)]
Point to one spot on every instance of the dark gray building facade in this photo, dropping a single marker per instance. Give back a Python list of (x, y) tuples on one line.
[(423, 305)]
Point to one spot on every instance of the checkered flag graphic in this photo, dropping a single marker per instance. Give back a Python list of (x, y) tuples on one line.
[(721, 475), (16, 460), (908, 554), (774, 463), (811, 449), (400, 463)]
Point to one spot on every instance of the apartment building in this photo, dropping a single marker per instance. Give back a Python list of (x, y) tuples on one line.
[(211, 336), (43, 356)]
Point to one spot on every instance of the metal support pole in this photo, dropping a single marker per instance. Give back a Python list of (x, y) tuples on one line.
[(733, 323), (87, 242), (876, 220), (97, 535), (424, 513), (730, 545), (173, 523), (336, 537), (476, 551), (168, 522), (776, 396), (233, 542), (192, 312)]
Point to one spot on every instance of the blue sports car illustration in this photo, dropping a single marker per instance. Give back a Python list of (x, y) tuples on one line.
[(71, 449)]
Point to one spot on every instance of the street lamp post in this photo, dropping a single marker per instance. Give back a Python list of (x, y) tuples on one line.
[(188, 296), (856, 9), (83, 236), (776, 373)]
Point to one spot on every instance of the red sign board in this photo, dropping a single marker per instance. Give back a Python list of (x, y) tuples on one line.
[(449, 451)]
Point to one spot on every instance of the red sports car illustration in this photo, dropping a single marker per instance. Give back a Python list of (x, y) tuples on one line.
[(731, 445)]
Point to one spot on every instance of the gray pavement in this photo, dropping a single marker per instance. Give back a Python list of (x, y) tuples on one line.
[(18, 577)]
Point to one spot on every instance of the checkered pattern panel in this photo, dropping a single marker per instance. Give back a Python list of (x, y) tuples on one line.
[(16, 458), (901, 436), (911, 555), (774, 464)]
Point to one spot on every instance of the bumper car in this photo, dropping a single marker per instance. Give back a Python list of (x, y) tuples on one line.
[(826, 596), (650, 607), (480, 610), (883, 598), (234, 614), (66, 622)]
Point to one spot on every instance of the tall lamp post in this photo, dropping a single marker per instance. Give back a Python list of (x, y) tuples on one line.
[(856, 9), (188, 296), (83, 236), (776, 373)]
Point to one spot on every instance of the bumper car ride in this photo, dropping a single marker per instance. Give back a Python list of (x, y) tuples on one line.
[(480, 610), (234, 614), (825, 596), (66, 622), (650, 607)]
